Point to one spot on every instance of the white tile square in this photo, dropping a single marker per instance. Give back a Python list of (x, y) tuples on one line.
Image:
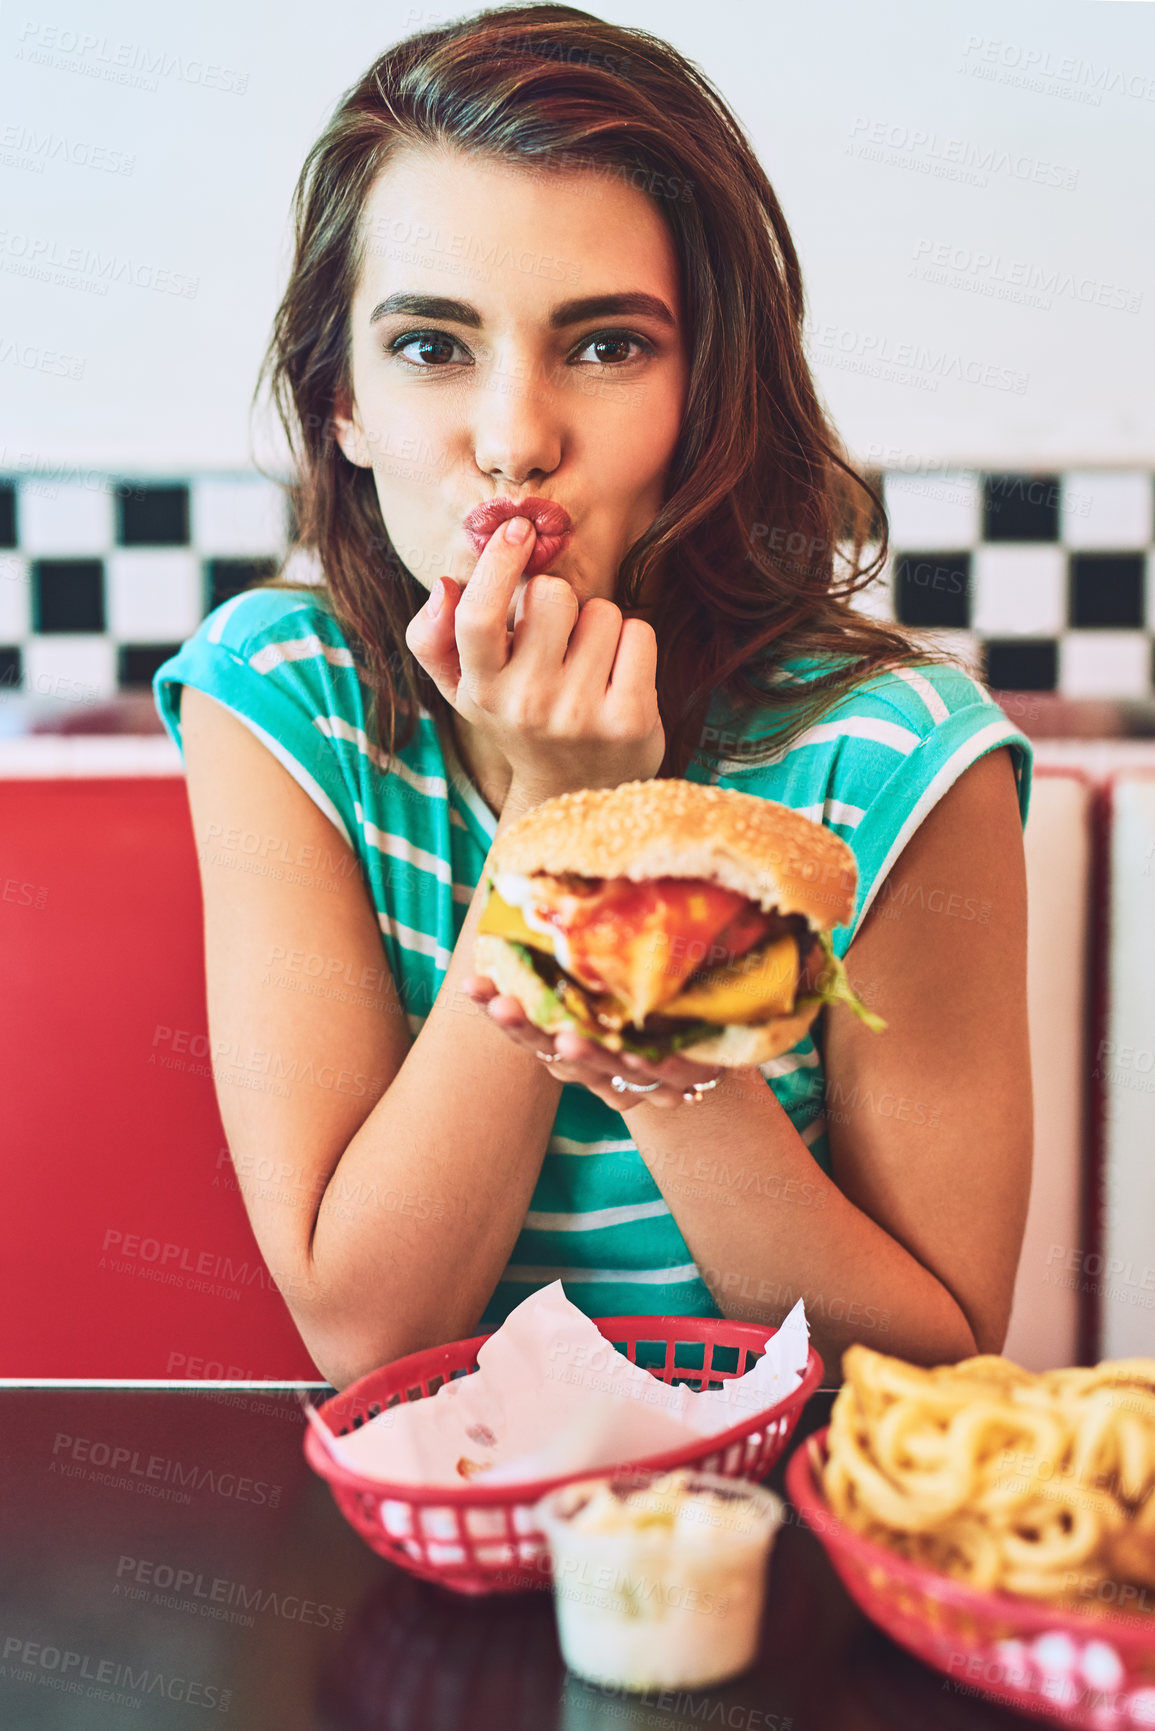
[(15, 598), (238, 515), (58, 517), (1019, 591), (71, 669), (154, 595), (1105, 664), (933, 512), (1108, 508)]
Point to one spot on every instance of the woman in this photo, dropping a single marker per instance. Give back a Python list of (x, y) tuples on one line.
[(537, 263)]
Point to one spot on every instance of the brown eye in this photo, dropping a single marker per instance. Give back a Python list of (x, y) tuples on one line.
[(426, 341), (618, 340)]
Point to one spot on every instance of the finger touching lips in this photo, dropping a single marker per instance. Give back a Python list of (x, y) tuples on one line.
[(482, 622), (501, 564)]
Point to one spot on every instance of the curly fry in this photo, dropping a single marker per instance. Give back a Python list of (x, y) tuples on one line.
[(1040, 1485)]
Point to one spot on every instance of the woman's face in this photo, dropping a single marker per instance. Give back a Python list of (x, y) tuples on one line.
[(503, 376)]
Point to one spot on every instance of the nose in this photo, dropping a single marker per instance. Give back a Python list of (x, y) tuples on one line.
[(518, 433)]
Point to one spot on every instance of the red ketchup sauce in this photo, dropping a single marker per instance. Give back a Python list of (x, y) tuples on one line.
[(698, 915)]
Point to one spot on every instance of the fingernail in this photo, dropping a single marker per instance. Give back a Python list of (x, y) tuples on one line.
[(436, 599), (517, 529)]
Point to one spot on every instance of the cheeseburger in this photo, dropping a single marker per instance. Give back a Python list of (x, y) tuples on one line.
[(668, 916)]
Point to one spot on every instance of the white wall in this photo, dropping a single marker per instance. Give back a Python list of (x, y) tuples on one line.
[(864, 116)]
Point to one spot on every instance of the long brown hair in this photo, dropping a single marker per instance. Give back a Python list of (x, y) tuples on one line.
[(766, 532)]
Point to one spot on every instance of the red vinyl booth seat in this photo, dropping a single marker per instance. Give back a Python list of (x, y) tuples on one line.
[(127, 1249)]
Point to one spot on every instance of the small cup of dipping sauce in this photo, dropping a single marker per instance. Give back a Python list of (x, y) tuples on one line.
[(659, 1579)]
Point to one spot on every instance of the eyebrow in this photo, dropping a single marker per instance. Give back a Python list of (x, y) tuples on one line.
[(634, 305)]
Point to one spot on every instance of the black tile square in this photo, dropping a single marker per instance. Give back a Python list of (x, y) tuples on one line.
[(7, 514), (227, 577), (933, 589), (1106, 589), (137, 662), (1021, 663), (11, 671), (67, 595), (1021, 507), (148, 516)]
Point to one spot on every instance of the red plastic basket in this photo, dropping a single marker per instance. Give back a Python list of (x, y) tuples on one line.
[(478, 1540), (1077, 1668)]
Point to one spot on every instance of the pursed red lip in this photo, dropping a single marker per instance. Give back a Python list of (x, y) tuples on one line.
[(551, 521)]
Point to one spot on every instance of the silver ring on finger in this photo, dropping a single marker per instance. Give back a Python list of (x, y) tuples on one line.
[(620, 1086), (693, 1096), (549, 1057)]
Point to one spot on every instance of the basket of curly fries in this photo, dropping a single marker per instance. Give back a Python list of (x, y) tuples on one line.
[(999, 1524)]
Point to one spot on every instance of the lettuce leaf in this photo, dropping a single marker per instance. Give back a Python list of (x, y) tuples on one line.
[(833, 987)]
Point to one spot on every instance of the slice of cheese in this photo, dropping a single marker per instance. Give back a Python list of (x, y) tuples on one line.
[(744, 991), (505, 922)]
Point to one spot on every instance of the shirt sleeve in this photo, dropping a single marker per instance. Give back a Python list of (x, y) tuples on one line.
[(877, 761), (274, 658), (888, 776)]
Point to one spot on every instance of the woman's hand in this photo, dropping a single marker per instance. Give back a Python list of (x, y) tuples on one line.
[(569, 697), (585, 1061)]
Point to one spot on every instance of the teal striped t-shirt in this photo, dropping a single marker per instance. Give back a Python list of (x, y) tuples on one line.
[(870, 770)]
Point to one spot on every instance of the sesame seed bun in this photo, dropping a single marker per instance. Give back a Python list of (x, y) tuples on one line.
[(683, 829)]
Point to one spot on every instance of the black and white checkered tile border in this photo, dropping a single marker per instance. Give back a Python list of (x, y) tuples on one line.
[(1046, 582)]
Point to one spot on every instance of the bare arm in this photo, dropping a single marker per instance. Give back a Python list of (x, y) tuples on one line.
[(932, 1129), (401, 1168)]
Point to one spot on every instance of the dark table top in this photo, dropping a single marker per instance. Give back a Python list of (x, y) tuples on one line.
[(169, 1559)]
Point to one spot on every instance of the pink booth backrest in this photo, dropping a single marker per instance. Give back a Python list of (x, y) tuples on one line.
[(127, 1250)]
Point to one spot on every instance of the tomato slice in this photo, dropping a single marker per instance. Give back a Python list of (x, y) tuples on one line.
[(642, 940)]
